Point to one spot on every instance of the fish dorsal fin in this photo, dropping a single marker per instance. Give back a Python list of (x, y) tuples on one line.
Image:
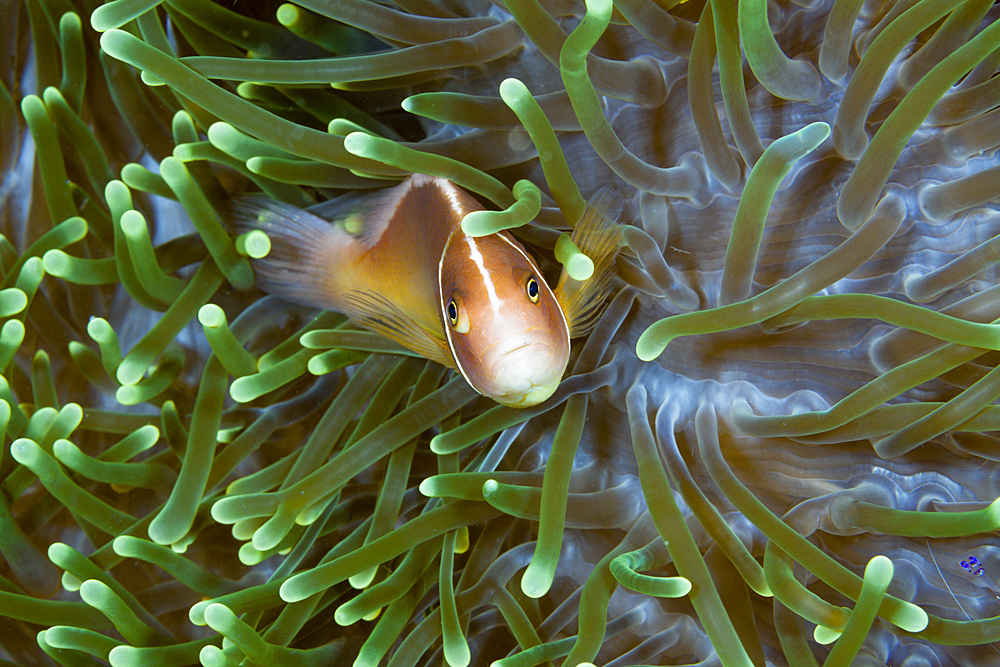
[(363, 215), (366, 216), (375, 312), (598, 235)]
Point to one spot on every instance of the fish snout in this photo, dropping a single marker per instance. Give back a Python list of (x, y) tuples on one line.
[(525, 371)]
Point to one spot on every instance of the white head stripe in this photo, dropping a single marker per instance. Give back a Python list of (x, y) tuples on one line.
[(541, 280), (477, 259)]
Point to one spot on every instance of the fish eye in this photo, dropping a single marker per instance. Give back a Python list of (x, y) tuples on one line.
[(457, 315), (532, 289)]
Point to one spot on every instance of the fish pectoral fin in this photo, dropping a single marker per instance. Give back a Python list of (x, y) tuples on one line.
[(378, 314), (598, 235)]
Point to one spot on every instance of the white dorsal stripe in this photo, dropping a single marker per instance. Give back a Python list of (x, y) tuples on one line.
[(452, 192), (447, 188)]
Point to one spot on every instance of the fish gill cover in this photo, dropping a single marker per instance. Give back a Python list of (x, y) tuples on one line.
[(777, 447)]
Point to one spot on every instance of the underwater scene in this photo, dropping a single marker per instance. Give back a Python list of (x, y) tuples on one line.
[(776, 440)]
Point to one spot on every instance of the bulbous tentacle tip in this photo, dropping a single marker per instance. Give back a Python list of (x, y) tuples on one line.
[(536, 580), (649, 346)]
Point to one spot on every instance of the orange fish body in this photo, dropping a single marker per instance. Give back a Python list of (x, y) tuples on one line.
[(398, 263)]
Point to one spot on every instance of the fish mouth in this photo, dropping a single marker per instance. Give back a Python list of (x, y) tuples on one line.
[(507, 356), (525, 374)]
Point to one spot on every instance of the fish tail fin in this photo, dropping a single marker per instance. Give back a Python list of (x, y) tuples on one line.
[(304, 250), (598, 235)]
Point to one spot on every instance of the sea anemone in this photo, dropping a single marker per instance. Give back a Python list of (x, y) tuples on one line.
[(777, 446)]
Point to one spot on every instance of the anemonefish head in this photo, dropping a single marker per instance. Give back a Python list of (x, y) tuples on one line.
[(506, 331)]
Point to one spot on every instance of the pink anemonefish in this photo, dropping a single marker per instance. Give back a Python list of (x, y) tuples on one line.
[(397, 262)]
